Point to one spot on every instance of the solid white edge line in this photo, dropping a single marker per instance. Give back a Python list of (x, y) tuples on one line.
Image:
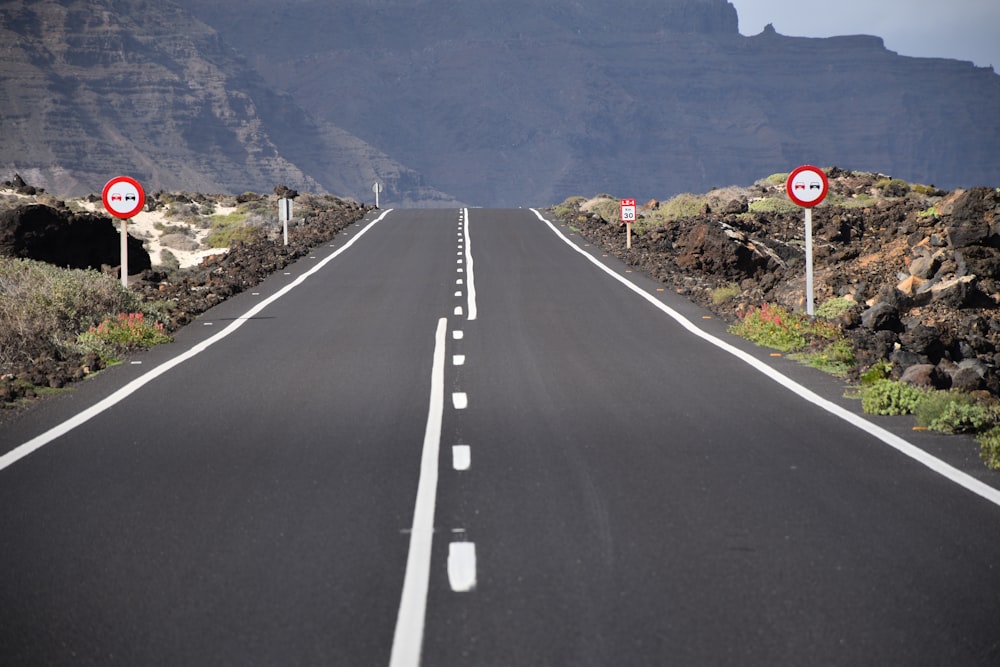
[(409, 634), (59, 430), (947, 471), (470, 285)]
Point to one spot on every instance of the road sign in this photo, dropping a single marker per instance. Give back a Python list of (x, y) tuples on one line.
[(123, 197), (807, 186), (628, 210)]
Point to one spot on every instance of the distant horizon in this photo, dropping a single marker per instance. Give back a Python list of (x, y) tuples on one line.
[(959, 30)]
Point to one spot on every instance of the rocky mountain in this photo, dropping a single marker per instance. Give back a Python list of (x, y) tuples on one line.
[(95, 88), (494, 102), (510, 102)]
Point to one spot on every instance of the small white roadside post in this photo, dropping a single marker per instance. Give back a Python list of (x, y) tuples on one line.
[(377, 188), (806, 187), (628, 217), (123, 198), (284, 215)]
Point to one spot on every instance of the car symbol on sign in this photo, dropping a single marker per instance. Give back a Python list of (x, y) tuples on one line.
[(815, 186), (116, 197), (129, 197), (800, 186)]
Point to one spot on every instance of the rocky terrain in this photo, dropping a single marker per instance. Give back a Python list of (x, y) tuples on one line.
[(922, 266), (919, 267), (34, 225)]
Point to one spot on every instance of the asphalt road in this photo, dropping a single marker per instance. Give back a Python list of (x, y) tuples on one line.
[(444, 441)]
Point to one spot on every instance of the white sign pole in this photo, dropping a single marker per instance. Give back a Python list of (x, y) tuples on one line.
[(807, 186), (285, 214), (809, 262), (377, 188), (124, 252)]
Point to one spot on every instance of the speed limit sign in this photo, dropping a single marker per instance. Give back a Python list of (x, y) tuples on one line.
[(628, 210)]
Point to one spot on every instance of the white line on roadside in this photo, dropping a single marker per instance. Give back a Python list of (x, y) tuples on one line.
[(45, 438), (937, 465), (470, 276), (409, 634)]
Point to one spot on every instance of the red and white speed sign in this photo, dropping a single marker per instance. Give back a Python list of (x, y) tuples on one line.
[(123, 197), (807, 186), (628, 210)]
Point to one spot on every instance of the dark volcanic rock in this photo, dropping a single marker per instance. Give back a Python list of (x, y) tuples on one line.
[(63, 238)]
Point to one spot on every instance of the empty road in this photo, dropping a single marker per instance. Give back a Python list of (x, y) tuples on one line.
[(466, 437)]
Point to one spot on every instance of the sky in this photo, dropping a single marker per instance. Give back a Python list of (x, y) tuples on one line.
[(959, 29)]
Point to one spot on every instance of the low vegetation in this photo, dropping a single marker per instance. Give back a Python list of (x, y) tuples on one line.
[(44, 309)]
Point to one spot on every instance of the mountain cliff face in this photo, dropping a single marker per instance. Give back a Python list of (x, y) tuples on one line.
[(510, 103), (94, 88), (495, 102)]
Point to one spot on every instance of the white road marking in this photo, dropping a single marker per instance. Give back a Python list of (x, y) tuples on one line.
[(45, 438), (458, 360), (461, 457), (458, 335), (459, 282), (409, 634), (460, 400), (462, 566), (458, 293), (473, 309), (947, 471), (458, 310)]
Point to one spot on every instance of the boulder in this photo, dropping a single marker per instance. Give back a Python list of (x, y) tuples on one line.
[(66, 239), (881, 316), (925, 376)]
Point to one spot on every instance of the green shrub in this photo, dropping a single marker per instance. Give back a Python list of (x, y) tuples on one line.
[(722, 294), (893, 187), (685, 205), (773, 205), (880, 371), (989, 448), (117, 335), (228, 228), (836, 358), (44, 308), (773, 326), (777, 179), (952, 412), (834, 308), (887, 397)]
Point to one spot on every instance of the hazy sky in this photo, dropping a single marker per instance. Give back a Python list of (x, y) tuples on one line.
[(961, 29)]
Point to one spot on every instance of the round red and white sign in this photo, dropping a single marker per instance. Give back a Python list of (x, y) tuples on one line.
[(807, 186), (123, 197)]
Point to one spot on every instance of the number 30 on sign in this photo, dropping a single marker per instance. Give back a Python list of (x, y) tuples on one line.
[(628, 210)]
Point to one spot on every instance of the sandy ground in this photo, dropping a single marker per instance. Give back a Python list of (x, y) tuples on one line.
[(143, 226)]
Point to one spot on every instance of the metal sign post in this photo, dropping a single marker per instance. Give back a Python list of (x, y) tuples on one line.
[(377, 188), (123, 198), (284, 215), (806, 187), (628, 217)]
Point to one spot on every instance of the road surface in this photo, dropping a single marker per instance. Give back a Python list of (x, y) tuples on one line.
[(467, 437)]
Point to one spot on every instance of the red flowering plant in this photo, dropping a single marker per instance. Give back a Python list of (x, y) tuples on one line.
[(125, 332), (817, 341)]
